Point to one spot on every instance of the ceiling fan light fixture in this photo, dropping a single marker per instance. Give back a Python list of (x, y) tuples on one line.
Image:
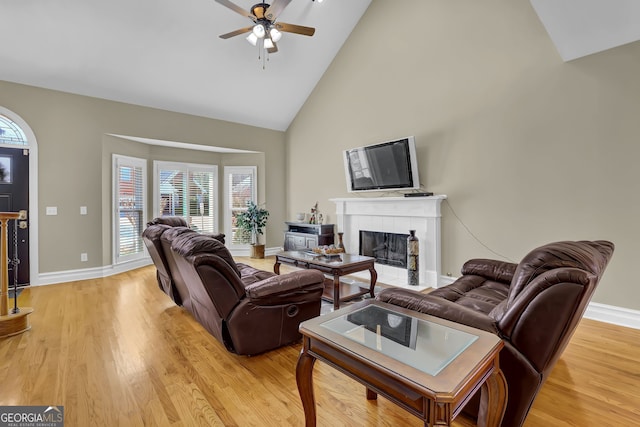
[(252, 38), (259, 31), (264, 32), (275, 34)]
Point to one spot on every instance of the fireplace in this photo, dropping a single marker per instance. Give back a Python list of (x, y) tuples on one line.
[(395, 215), (386, 248)]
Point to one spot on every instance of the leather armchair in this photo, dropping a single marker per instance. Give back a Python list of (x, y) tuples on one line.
[(534, 306), (250, 311)]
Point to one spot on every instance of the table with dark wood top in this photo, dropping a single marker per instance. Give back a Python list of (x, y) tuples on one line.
[(337, 266), (428, 366)]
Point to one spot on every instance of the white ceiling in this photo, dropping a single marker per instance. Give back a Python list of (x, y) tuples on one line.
[(167, 54), (582, 27)]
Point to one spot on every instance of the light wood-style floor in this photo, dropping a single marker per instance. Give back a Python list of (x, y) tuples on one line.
[(118, 352)]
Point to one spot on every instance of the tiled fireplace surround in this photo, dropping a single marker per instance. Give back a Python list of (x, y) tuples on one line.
[(395, 215)]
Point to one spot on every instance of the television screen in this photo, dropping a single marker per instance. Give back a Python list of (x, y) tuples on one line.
[(385, 166)]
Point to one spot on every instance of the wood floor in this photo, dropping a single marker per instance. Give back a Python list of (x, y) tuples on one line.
[(118, 352)]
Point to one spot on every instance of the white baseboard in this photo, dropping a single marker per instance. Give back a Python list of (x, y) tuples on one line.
[(90, 273), (247, 252), (611, 314), (272, 251), (595, 311), (109, 270)]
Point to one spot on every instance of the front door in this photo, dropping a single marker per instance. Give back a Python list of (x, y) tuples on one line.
[(14, 197)]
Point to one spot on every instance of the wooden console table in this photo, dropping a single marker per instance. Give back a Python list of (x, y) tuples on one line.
[(300, 236), (10, 323)]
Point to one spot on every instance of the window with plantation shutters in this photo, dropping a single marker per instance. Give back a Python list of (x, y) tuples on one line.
[(189, 191), (130, 195), (240, 188)]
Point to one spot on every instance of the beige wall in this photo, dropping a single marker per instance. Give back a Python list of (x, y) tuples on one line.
[(529, 149), (74, 170)]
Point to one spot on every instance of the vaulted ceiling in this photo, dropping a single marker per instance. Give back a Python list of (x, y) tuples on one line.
[(167, 54)]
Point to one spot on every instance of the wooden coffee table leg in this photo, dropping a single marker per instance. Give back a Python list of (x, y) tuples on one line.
[(374, 279), (304, 379), (276, 266), (493, 399), (371, 395), (336, 292)]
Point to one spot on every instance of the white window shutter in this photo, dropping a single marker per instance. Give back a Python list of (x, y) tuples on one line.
[(188, 191), (129, 202), (240, 187)]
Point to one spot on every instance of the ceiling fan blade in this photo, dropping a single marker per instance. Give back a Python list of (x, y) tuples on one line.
[(236, 33), (276, 8), (273, 49), (237, 9), (292, 28)]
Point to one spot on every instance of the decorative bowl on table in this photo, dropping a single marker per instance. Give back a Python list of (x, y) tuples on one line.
[(328, 251)]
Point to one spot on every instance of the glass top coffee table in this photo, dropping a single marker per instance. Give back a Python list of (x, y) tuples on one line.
[(426, 365), (337, 265)]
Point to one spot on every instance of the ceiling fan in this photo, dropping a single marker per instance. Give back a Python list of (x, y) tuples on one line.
[(265, 28)]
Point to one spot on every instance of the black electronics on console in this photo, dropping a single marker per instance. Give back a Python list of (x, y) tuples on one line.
[(418, 194)]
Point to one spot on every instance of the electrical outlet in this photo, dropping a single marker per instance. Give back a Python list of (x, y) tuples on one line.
[(83, 257), (83, 210)]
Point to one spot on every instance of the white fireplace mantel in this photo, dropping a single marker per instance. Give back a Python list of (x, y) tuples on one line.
[(396, 215)]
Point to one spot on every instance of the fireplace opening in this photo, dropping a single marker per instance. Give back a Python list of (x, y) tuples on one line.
[(386, 248)]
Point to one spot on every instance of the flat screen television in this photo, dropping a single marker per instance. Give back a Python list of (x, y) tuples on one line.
[(390, 165)]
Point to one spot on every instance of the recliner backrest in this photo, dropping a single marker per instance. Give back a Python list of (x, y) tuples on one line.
[(172, 221), (203, 243), (212, 275), (151, 237), (549, 294), (591, 256), (181, 289)]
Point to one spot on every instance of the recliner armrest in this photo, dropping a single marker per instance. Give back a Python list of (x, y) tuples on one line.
[(499, 271), (301, 282)]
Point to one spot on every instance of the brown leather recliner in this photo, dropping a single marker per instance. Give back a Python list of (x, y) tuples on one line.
[(249, 310), (534, 306), (173, 221), (152, 240)]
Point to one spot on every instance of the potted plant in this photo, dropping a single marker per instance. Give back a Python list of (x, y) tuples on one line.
[(251, 222)]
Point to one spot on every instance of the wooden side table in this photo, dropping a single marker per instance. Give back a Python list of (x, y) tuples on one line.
[(426, 365)]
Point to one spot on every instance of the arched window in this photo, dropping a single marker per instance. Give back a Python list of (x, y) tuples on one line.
[(10, 132)]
